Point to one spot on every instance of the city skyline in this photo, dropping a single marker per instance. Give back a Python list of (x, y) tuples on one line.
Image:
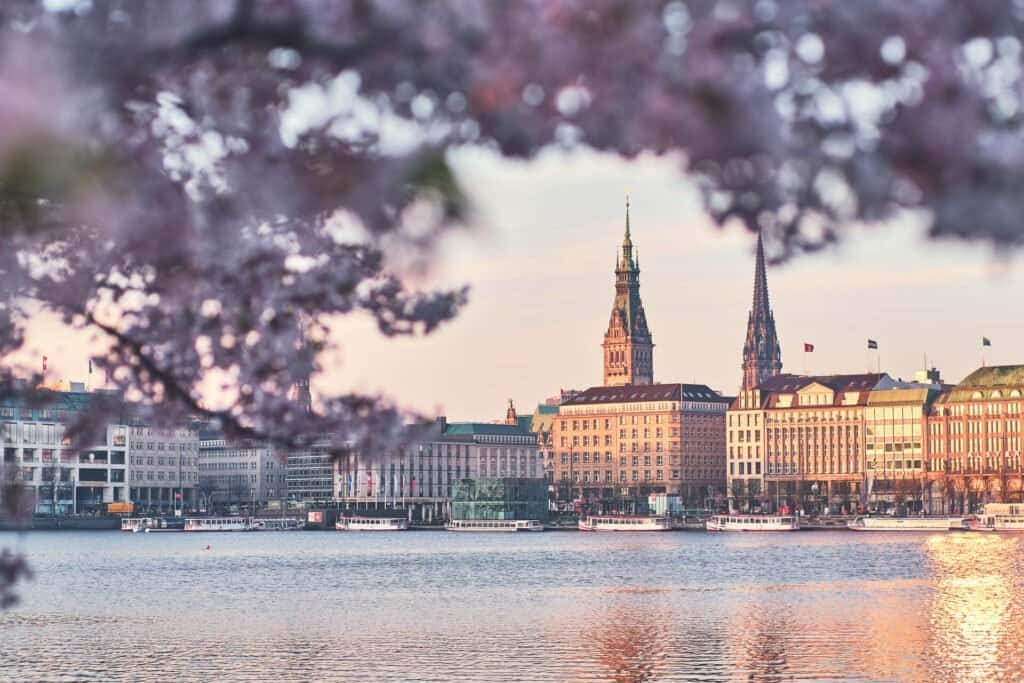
[(539, 264)]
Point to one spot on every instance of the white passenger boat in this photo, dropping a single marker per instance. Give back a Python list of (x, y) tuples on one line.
[(929, 524), (137, 525), (625, 523), (494, 525), (372, 524), (753, 523), (280, 524), (1000, 517), (219, 524)]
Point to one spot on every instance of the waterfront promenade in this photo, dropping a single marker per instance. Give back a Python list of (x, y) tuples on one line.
[(470, 607)]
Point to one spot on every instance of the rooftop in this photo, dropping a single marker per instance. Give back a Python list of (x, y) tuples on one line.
[(987, 383), (994, 376), (483, 428), (790, 384), (637, 393)]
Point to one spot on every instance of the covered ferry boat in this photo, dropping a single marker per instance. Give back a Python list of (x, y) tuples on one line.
[(151, 524), (220, 524), (494, 525), (927, 524), (625, 523), (753, 523), (1000, 517), (138, 524), (280, 524), (372, 524)]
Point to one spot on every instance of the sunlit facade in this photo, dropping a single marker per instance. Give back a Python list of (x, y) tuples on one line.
[(974, 441), (614, 446), (799, 441)]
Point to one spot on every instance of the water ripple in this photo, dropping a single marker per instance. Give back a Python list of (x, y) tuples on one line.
[(536, 607)]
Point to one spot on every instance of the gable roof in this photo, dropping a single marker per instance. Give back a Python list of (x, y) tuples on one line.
[(774, 387)]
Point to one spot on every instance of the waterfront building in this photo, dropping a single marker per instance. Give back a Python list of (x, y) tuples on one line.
[(520, 498), (628, 345), (163, 468), (57, 478), (829, 441), (239, 473), (895, 461), (309, 473), (762, 354), (796, 439), (155, 468), (615, 446), (421, 475), (974, 441), (540, 424)]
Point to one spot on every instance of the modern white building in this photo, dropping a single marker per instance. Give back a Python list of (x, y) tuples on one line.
[(131, 464)]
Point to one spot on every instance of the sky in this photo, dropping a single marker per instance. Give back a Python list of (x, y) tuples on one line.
[(539, 262)]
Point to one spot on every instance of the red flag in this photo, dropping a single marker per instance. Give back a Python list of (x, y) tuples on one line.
[(808, 348)]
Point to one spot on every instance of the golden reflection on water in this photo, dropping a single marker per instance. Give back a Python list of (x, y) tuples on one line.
[(892, 607), (963, 621), (976, 616), (627, 643)]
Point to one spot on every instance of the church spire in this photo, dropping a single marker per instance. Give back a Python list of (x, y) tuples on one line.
[(762, 357), (628, 347), (760, 278), (627, 264)]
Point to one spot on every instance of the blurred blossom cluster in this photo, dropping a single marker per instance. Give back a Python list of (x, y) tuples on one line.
[(172, 174)]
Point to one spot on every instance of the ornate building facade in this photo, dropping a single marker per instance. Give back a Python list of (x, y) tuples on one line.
[(613, 446), (799, 441), (974, 441), (628, 346), (762, 357)]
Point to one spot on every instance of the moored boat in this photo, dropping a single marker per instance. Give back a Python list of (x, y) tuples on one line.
[(372, 524), (625, 523), (928, 524), (151, 524), (279, 524), (196, 524), (494, 525), (753, 523), (1006, 517), (138, 524)]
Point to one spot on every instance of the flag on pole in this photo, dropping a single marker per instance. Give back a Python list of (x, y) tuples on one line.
[(808, 348), (90, 366), (985, 341), (44, 364), (872, 344)]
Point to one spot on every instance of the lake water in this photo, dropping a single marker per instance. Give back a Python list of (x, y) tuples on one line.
[(436, 606)]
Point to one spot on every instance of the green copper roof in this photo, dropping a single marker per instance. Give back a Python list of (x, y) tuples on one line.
[(994, 376), (987, 383), (474, 428)]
